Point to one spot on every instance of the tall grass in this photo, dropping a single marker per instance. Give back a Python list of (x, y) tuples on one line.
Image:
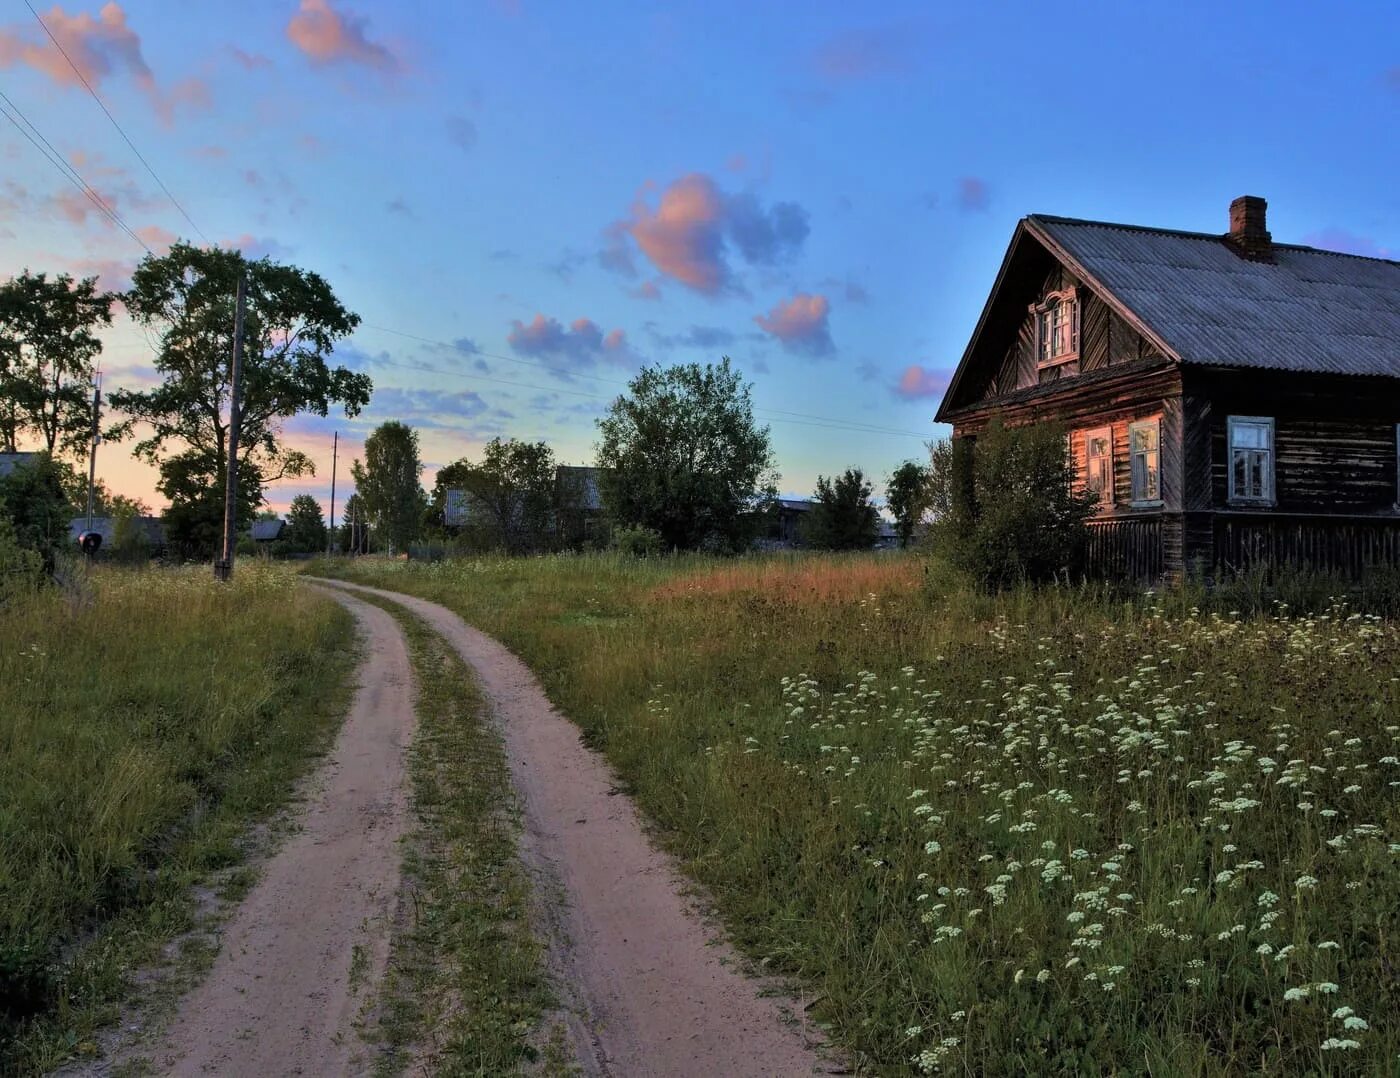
[(141, 730), (1056, 832)]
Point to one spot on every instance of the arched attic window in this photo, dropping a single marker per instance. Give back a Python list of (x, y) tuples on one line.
[(1057, 328)]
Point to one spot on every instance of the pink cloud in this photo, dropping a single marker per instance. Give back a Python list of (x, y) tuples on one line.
[(1339, 239), (863, 54), (800, 324), (583, 342), (156, 237), (249, 61), (327, 36), (684, 236), (99, 47), (210, 153), (973, 193), (918, 382), (647, 290), (690, 232)]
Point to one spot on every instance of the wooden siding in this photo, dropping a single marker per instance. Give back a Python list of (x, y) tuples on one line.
[(1128, 549), (1272, 541)]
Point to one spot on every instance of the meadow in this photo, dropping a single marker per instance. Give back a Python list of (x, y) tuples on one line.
[(1055, 832), (148, 720)]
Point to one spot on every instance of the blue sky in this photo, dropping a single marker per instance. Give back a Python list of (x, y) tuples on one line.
[(549, 195)]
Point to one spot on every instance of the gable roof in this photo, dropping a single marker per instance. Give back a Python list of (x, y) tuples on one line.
[(1192, 295)]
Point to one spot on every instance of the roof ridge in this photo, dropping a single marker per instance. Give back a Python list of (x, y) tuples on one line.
[(1219, 237)]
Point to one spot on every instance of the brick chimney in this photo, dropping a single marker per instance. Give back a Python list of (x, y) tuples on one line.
[(1247, 229)]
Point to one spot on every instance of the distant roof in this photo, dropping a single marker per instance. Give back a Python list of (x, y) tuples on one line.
[(796, 505), (10, 461), (266, 530), (106, 527), (1308, 310)]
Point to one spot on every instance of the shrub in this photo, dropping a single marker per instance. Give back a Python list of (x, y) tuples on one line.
[(1006, 508), (638, 541)]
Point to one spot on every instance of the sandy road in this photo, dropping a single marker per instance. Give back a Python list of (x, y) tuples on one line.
[(309, 944), (653, 990)]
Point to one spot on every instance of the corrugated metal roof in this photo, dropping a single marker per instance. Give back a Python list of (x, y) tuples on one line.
[(1309, 310), (265, 530)]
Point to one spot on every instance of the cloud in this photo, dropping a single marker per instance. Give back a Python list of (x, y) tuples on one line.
[(856, 55), (647, 290), (853, 290), (99, 48), (582, 343), (210, 153), (616, 255), (1339, 239), (400, 207), (428, 408), (327, 36), (461, 132), (249, 61), (918, 382), (800, 324), (973, 193), (688, 235), (705, 337), (156, 237)]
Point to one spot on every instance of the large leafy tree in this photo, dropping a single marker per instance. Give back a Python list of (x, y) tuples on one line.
[(842, 516), (510, 493), (48, 342), (36, 506), (682, 455), (293, 322), (906, 493), (387, 483)]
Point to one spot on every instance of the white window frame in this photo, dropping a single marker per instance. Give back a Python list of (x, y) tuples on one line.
[(1268, 496), (1106, 496), (1155, 423), (1068, 299)]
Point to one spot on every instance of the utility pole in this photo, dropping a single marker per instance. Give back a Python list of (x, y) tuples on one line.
[(330, 537), (92, 457), (223, 568)]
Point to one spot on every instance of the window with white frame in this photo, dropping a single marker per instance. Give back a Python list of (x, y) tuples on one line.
[(1057, 328), (1251, 459), (1145, 455), (1098, 463)]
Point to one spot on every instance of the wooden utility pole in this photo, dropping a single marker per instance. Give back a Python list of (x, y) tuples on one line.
[(223, 568), (92, 456), (330, 537)]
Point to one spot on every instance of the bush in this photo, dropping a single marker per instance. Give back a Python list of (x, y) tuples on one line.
[(1006, 507), (638, 541)]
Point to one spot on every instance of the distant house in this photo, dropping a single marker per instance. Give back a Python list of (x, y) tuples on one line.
[(576, 513), (149, 528), (10, 461), (785, 528), (1231, 400), (267, 531)]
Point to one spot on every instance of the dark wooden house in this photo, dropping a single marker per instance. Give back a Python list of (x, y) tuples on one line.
[(1232, 400)]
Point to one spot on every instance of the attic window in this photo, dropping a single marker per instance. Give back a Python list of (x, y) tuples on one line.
[(1057, 328)]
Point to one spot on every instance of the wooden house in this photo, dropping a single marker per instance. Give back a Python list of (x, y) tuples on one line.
[(1233, 401)]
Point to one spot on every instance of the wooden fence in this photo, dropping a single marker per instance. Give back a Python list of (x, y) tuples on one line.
[(1347, 546), (1125, 549)]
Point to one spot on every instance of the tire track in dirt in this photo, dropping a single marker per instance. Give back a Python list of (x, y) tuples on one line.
[(655, 990), (308, 945)]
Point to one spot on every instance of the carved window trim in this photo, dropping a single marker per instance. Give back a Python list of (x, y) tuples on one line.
[(1145, 463), (1066, 300), (1102, 484)]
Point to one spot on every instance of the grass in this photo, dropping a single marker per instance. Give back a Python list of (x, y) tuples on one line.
[(1044, 833), (143, 730), (466, 991)]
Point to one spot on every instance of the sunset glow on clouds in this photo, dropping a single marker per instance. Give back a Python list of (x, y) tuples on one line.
[(527, 204)]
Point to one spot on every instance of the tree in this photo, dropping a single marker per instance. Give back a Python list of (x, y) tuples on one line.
[(194, 484), (681, 454), (906, 493), (1006, 508), (306, 527), (293, 322), (510, 494), (842, 517), (387, 483), (33, 500), (47, 347), (353, 537)]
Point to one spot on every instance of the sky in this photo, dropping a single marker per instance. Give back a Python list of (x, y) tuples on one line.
[(525, 202)]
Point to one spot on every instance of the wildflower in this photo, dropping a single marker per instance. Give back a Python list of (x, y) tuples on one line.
[(1295, 994), (1333, 1044), (1355, 1023)]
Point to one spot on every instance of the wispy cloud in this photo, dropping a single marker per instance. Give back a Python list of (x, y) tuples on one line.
[(1339, 239), (855, 55), (918, 382), (327, 36), (973, 193), (800, 324)]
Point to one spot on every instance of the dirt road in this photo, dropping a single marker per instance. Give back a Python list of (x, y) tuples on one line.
[(654, 990), (309, 944)]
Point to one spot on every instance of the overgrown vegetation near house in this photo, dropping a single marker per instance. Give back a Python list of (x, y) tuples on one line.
[(1039, 832), (145, 725)]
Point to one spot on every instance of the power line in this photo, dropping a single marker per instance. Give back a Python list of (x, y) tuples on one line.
[(835, 422), (100, 104), (70, 173)]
